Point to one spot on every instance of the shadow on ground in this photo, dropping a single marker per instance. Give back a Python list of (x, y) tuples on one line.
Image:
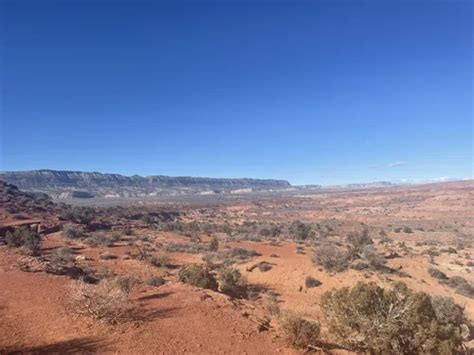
[(74, 346)]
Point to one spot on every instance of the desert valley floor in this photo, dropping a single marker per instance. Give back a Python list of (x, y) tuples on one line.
[(421, 235)]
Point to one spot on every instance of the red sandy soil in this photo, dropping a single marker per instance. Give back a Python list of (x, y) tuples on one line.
[(175, 318)]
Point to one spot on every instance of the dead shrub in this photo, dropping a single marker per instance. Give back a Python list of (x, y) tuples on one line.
[(300, 332), (105, 273), (272, 304), (358, 241), (127, 283), (107, 301), (60, 260)]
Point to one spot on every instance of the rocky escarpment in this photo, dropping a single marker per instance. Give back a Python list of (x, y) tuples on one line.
[(68, 183)]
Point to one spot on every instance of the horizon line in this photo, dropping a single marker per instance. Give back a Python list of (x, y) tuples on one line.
[(394, 182)]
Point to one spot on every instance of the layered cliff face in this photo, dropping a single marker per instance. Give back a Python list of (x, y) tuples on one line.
[(76, 183)]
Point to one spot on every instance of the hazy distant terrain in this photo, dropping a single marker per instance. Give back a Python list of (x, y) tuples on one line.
[(77, 184)]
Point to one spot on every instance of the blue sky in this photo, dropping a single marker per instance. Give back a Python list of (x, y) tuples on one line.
[(309, 91)]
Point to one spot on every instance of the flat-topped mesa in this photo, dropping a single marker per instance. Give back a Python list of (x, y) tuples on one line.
[(98, 184)]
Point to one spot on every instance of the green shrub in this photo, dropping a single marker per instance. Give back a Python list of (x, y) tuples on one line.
[(385, 239), (81, 215), (107, 256), (300, 250), (116, 236), (71, 231), (447, 311), (273, 231), (437, 274), (194, 248), (264, 266), (360, 265), (301, 231), (21, 216), (127, 230), (197, 275), (214, 245), (24, 237), (62, 256), (99, 240), (159, 261), (242, 253), (431, 252), (374, 260), (229, 279), (398, 321), (331, 258), (156, 281), (60, 261), (461, 285)]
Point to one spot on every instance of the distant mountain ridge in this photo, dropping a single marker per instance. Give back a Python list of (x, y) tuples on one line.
[(64, 184)]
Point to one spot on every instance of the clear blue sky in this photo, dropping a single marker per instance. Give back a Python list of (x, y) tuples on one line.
[(308, 91)]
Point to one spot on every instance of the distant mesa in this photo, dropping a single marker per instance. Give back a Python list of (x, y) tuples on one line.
[(78, 184)]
